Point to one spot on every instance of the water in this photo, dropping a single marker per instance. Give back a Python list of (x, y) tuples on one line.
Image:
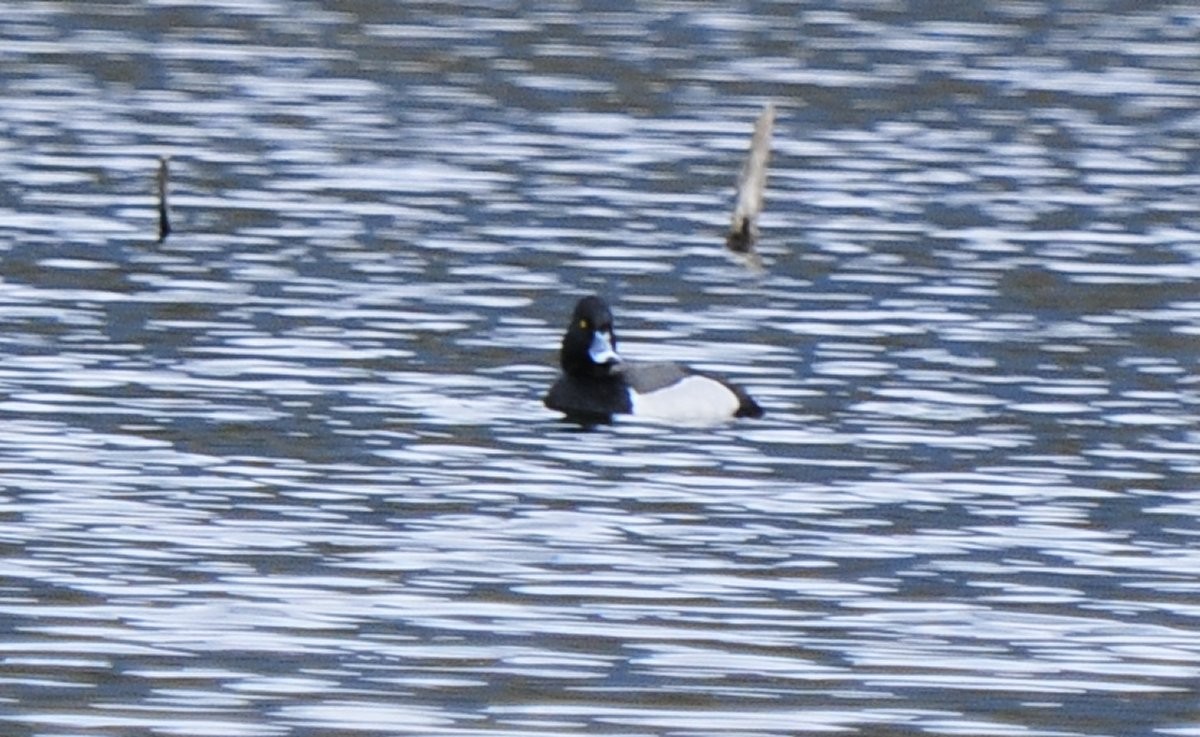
[(289, 473)]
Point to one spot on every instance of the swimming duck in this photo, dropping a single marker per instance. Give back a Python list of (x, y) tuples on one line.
[(597, 383)]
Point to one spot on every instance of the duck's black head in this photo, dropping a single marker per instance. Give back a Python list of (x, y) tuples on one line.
[(589, 348)]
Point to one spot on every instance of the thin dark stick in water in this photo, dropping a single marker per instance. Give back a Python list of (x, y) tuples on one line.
[(164, 221), (743, 231)]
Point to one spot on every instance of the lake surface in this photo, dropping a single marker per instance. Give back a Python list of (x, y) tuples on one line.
[(288, 473)]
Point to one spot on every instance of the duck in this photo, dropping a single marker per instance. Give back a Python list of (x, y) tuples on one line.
[(597, 382)]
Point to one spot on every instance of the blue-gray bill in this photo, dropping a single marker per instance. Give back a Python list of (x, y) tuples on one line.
[(601, 349)]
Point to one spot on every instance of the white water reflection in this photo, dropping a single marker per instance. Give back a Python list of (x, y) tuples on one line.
[(290, 472)]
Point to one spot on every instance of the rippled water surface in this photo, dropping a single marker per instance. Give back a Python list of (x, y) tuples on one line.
[(288, 473)]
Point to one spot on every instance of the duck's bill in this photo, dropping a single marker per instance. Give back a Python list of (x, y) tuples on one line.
[(601, 350)]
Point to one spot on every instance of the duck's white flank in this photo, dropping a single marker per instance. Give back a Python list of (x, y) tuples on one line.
[(695, 399)]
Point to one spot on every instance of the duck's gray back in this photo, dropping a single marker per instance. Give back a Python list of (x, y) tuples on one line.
[(649, 377)]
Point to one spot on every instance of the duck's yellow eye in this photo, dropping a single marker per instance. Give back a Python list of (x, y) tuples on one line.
[(583, 324)]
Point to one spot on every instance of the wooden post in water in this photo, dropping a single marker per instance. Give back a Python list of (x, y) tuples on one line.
[(164, 220), (743, 230)]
